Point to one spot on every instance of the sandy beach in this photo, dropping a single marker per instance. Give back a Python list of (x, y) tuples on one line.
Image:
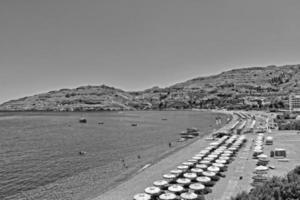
[(140, 181)]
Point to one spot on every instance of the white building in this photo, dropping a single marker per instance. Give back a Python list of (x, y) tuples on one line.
[(294, 102)]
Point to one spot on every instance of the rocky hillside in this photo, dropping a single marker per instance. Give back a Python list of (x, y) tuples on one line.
[(86, 98), (246, 88)]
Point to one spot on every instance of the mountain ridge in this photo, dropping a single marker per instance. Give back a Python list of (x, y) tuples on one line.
[(251, 87)]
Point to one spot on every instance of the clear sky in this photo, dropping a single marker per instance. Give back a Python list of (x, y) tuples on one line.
[(136, 44)]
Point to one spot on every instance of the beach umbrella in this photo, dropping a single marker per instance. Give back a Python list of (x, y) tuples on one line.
[(219, 165), (214, 144), (183, 181), (167, 196), (224, 157), (261, 168), (260, 178), (206, 162), (228, 152), (198, 171), (262, 157), (197, 187), (208, 159), (258, 151), (177, 172), (203, 179), (162, 184), (200, 155), (213, 169), (188, 164), (176, 188), (153, 190), (197, 158), (209, 148), (220, 161), (190, 175), (169, 177), (201, 166), (193, 161), (142, 196), (233, 149), (189, 196), (212, 155), (183, 167), (209, 174), (204, 152)]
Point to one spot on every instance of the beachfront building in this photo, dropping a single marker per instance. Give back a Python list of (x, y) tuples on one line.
[(294, 102)]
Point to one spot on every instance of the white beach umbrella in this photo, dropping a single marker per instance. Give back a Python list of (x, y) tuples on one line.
[(261, 168), (188, 163), (214, 144), (201, 166), (169, 177), (262, 157), (183, 181), (197, 187), (209, 159), (167, 196), (189, 196), (209, 174), (213, 169), (193, 161), (177, 172), (212, 155), (152, 190), (160, 183), (183, 167), (220, 165), (176, 188), (206, 162), (203, 179), (190, 175), (224, 157), (142, 196), (198, 171), (220, 161), (197, 158)]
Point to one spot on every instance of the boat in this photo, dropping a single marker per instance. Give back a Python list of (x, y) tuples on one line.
[(82, 120)]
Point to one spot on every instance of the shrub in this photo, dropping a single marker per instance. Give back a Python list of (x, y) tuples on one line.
[(276, 188)]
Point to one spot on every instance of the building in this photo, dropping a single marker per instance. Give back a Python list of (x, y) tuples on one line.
[(294, 102)]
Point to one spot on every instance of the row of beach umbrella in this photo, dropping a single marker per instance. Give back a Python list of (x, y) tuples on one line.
[(192, 179), (261, 170)]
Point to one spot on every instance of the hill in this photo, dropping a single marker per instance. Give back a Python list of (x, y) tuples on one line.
[(85, 98), (245, 88)]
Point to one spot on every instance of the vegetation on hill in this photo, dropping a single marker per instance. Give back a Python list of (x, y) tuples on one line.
[(277, 188), (246, 88)]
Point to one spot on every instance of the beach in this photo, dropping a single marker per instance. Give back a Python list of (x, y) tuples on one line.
[(86, 177)]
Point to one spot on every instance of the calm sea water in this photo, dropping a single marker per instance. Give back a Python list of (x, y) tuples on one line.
[(40, 148)]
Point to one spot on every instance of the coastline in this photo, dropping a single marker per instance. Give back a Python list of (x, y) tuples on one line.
[(138, 181), (92, 183)]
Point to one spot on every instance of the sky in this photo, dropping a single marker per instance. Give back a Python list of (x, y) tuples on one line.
[(137, 44)]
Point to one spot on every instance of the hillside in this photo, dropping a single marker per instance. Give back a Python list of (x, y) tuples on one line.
[(247, 88), (85, 98)]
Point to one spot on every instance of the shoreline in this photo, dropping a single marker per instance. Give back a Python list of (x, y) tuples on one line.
[(119, 189), (92, 183)]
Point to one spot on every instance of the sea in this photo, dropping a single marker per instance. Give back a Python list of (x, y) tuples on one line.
[(38, 149)]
